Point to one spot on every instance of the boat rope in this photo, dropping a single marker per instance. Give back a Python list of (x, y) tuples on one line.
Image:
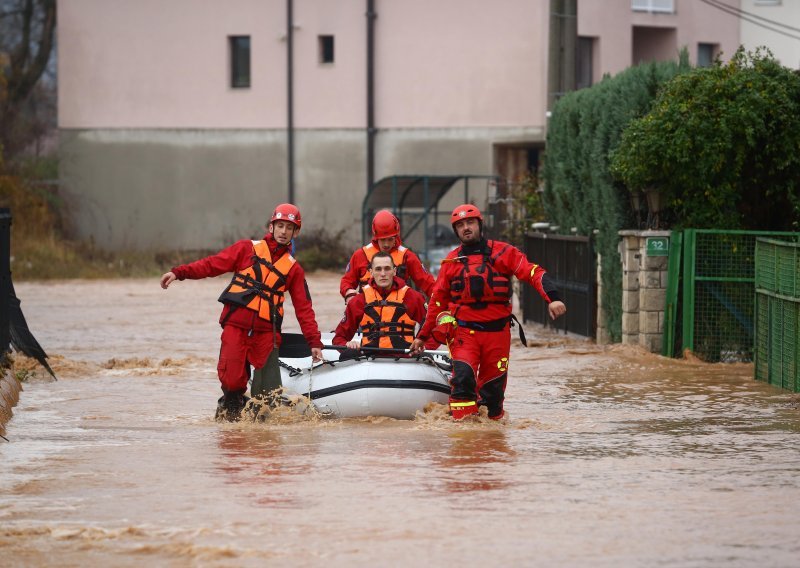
[(293, 371), (310, 381)]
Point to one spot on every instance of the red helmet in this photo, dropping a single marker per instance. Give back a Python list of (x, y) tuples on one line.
[(287, 212), (466, 211), (385, 225)]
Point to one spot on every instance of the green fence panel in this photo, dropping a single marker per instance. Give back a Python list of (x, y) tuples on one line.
[(777, 333), (673, 282), (719, 308)]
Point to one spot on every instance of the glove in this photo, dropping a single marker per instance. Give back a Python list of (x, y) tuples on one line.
[(445, 329)]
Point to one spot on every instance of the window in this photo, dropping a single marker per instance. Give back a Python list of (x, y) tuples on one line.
[(584, 66), (325, 48), (240, 61), (662, 6), (705, 54)]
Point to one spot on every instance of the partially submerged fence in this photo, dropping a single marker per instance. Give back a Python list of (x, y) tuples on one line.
[(570, 261), (777, 333), (711, 300)]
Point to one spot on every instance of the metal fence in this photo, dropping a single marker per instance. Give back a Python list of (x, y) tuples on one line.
[(777, 333), (570, 261), (716, 307)]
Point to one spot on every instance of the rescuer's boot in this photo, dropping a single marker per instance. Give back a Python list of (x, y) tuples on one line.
[(229, 407), (460, 409)]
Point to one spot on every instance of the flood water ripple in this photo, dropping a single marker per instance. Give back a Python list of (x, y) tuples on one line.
[(610, 457)]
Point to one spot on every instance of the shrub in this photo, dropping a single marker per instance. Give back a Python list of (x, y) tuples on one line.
[(722, 144)]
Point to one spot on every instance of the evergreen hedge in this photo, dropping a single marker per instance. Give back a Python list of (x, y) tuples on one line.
[(585, 128)]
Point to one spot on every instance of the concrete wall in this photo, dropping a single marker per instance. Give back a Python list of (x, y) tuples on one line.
[(190, 189)]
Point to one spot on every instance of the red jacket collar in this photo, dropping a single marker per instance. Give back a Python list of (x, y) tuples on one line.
[(275, 247)]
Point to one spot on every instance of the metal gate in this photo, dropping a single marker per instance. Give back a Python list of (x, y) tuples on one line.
[(570, 261), (777, 345), (713, 306)]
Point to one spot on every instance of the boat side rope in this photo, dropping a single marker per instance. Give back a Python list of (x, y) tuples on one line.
[(310, 382), (293, 371)]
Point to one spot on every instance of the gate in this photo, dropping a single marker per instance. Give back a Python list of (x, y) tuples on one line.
[(713, 306), (570, 261)]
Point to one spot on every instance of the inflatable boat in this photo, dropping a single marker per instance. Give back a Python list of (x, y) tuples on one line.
[(374, 384)]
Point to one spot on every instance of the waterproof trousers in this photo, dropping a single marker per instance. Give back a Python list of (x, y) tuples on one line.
[(480, 371), (240, 349)]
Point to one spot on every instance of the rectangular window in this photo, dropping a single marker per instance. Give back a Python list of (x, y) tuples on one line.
[(706, 52), (240, 61), (325, 48), (584, 66), (661, 6)]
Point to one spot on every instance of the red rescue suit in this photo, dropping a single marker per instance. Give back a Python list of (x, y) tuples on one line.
[(409, 267), (475, 284), (253, 304), (354, 315)]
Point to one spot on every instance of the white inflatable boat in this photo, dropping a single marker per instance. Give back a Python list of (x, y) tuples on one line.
[(369, 386)]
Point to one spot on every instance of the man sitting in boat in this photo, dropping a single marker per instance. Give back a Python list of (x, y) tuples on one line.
[(386, 311), (385, 238)]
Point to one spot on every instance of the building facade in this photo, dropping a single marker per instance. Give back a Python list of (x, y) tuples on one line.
[(183, 123), (774, 24)]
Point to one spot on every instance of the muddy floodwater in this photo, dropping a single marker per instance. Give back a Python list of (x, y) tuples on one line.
[(610, 456)]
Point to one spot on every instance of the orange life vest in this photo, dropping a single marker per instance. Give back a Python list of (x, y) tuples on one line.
[(261, 286), (398, 257), (478, 283), (385, 322)]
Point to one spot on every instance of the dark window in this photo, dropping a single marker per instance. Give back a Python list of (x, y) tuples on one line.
[(240, 61), (705, 54), (326, 49), (584, 68)]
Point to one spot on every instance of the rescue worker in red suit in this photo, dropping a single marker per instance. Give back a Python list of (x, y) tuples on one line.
[(386, 312), (475, 284), (251, 318), (385, 238)]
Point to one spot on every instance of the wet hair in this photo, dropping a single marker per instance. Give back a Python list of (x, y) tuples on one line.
[(382, 254)]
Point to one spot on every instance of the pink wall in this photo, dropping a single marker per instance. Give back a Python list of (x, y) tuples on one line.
[(462, 62), (164, 64), (613, 20), (442, 64)]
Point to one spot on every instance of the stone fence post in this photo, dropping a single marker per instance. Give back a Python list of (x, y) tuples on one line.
[(645, 257)]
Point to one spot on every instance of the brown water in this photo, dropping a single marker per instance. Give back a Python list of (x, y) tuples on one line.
[(611, 457)]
